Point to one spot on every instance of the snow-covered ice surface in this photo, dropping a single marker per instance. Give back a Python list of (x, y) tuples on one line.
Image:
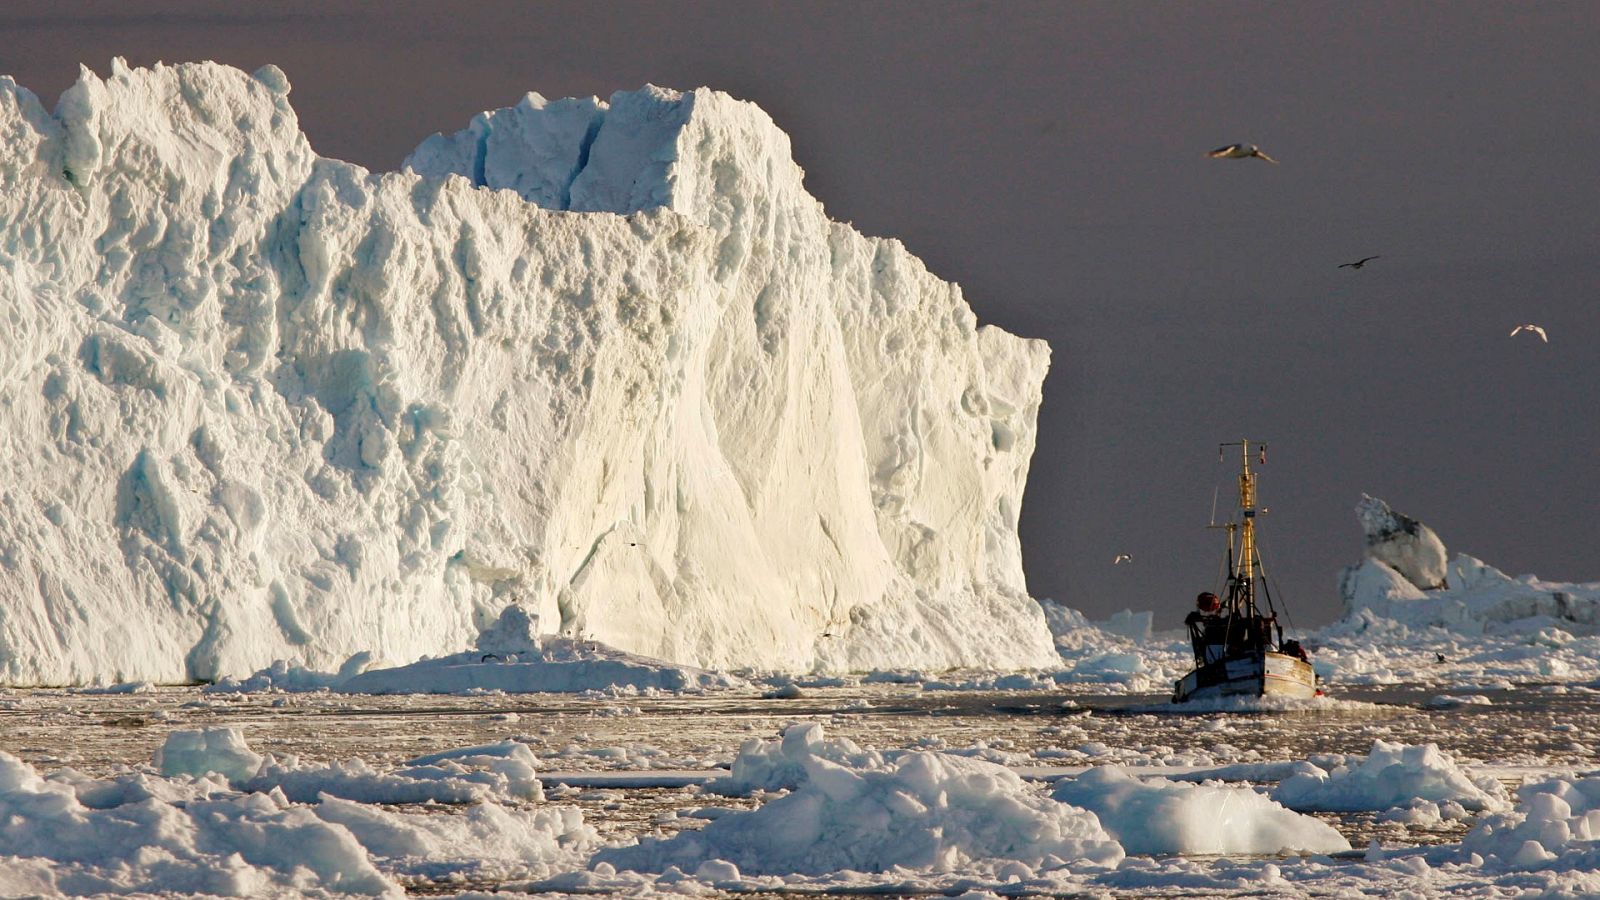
[(440, 793), (608, 358)]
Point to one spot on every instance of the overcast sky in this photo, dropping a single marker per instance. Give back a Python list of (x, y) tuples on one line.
[(1050, 159)]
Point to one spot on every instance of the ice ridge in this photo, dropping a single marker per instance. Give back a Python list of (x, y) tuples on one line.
[(261, 404)]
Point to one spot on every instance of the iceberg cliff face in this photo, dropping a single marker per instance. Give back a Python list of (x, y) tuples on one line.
[(261, 404)]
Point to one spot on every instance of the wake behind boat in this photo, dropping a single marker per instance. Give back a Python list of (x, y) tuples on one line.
[(1238, 650)]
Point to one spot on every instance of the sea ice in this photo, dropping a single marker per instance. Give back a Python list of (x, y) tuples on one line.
[(927, 812), (1391, 775), (1154, 815), (278, 825)]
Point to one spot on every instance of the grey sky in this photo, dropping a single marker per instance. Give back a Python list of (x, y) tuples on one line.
[(1049, 157)]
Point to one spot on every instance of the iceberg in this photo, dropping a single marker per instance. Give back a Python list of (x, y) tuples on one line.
[(605, 359), (1464, 596)]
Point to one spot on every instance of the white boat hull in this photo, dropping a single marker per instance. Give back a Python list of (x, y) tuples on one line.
[(1271, 674)]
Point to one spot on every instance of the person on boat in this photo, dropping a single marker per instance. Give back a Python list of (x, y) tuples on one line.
[(1206, 606), (1206, 626)]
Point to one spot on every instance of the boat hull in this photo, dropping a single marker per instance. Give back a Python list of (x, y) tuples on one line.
[(1270, 674)]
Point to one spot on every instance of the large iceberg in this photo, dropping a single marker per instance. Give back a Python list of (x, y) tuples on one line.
[(607, 359)]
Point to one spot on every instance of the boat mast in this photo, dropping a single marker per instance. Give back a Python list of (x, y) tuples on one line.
[(1248, 564)]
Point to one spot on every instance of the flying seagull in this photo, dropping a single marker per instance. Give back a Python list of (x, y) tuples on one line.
[(1359, 263), (1240, 151), (1531, 328), (1121, 558)]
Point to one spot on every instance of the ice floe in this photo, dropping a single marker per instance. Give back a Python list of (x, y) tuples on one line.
[(1389, 776), (925, 811), (1155, 815)]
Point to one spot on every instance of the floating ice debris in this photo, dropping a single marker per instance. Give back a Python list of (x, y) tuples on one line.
[(1154, 815), (1391, 775)]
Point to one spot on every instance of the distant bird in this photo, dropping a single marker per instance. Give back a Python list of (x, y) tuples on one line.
[(1121, 558), (1240, 151), (1439, 657), (1359, 263), (1531, 328)]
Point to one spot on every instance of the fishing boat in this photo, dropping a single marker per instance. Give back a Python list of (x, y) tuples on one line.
[(1240, 651)]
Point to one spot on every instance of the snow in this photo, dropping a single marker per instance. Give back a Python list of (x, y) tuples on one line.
[(1154, 815), (820, 814), (928, 812), (1390, 776), (605, 359)]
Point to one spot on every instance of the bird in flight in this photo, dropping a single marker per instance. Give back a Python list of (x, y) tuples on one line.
[(1359, 263), (1121, 558), (1240, 151), (1534, 329)]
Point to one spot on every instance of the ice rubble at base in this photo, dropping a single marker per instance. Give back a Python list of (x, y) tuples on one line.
[(510, 656), (264, 405), (1119, 651)]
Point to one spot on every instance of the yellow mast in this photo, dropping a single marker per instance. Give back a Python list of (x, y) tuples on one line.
[(1245, 568)]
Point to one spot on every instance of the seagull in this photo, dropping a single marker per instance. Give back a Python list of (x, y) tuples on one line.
[(1240, 151), (1121, 558), (1531, 328), (1359, 263)]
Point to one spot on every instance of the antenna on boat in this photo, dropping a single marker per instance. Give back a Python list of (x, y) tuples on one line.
[(1242, 596)]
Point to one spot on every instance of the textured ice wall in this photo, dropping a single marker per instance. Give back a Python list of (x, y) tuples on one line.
[(260, 404)]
